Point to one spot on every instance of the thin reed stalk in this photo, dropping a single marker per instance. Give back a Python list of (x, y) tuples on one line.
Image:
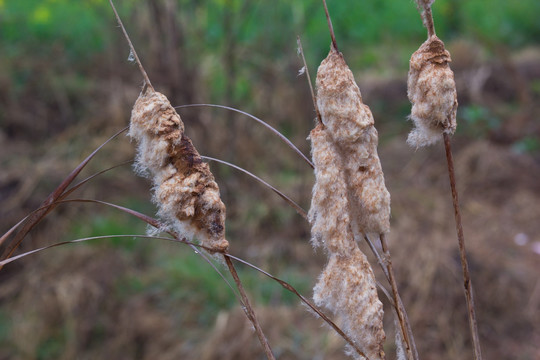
[(289, 201), (248, 309), (132, 48), (308, 303), (46, 206), (262, 122), (397, 303), (330, 27), (467, 283), (308, 77), (396, 293)]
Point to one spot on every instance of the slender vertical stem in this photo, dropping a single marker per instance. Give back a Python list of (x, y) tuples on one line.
[(400, 302), (313, 97), (467, 284), (248, 309), (330, 27), (395, 293), (428, 20), (132, 48)]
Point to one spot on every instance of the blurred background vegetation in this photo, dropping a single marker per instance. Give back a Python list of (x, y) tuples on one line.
[(66, 85)]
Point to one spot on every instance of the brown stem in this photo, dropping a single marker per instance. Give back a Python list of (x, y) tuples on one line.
[(291, 202), (428, 20), (132, 48), (313, 97), (395, 293), (330, 27), (289, 287), (400, 302), (249, 310), (467, 284), (260, 121)]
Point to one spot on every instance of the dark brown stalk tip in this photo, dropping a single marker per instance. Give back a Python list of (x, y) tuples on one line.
[(330, 27), (147, 83)]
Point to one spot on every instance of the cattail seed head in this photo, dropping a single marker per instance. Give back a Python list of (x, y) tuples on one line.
[(347, 288), (349, 198), (432, 92), (329, 214), (350, 125), (184, 188)]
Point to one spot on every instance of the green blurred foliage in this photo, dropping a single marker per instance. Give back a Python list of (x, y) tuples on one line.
[(479, 121), (32, 27), (176, 272), (187, 279), (265, 30)]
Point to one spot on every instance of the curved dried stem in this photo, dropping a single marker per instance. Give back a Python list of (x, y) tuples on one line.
[(132, 49), (280, 135), (244, 300), (82, 182), (467, 284), (46, 206), (313, 97), (133, 236), (248, 309), (289, 287), (291, 202)]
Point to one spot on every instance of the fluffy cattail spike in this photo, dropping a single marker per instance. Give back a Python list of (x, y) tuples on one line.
[(432, 92), (347, 288), (184, 188), (349, 193), (351, 126)]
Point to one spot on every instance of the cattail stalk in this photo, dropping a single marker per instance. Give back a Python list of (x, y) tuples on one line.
[(467, 283), (184, 188), (432, 91), (400, 311)]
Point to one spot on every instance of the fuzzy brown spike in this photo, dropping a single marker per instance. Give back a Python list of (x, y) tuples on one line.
[(351, 126), (349, 196), (432, 92), (184, 188)]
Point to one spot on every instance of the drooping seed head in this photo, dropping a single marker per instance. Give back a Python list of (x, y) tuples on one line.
[(184, 188)]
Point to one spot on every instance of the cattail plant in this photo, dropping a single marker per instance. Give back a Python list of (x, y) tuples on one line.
[(350, 202), (185, 190), (432, 92), (349, 198), (349, 195)]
